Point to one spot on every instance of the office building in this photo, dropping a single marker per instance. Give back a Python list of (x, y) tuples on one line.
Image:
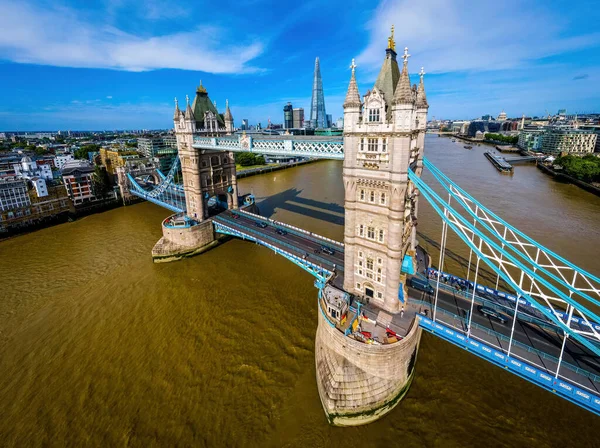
[(318, 117), (245, 126), (298, 118), (288, 116), (530, 139), (62, 158), (13, 194), (556, 141), (78, 177)]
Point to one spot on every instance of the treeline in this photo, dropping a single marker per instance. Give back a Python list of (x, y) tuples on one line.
[(502, 138), (249, 159), (586, 169)]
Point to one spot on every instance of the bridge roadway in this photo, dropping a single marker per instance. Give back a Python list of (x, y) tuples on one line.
[(539, 339), (298, 243), (528, 334)]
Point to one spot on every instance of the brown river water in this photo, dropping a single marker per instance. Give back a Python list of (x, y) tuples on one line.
[(101, 347)]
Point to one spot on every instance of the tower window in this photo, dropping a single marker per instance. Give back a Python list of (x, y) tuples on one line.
[(372, 197), (382, 199), (369, 264), (384, 145), (371, 233), (381, 236), (362, 195), (361, 230), (362, 144), (373, 115), (372, 145)]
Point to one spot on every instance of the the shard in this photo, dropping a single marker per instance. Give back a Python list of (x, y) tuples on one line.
[(318, 117)]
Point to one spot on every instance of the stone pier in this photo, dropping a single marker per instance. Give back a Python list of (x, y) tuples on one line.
[(358, 382), (180, 241)]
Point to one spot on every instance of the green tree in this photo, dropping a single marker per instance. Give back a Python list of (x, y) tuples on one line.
[(82, 153), (100, 182), (245, 159)]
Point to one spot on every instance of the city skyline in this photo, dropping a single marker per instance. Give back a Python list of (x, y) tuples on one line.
[(129, 62)]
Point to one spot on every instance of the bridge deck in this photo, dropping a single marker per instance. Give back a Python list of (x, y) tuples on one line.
[(539, 345), (303, 245)]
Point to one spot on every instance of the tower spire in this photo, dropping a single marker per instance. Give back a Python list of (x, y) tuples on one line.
[(189, 115), (318, 116), (391, 43), (421, 97), (403, 92), (352, 95), (177, 111)]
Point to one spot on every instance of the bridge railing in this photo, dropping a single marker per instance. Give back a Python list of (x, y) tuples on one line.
[(263, 236), (565, 388), (593, 377), (320, 271), (294, 228)]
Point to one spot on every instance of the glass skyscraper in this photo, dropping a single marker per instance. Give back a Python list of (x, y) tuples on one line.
[(318, 117)]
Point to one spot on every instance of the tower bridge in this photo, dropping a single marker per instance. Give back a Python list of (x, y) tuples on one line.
[(370, 320)]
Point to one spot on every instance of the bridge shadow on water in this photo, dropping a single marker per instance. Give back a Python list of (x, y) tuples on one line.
[(291, 200)]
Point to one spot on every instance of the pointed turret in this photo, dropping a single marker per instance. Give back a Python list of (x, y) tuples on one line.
[(403, 93), (228, 115), (177, 111), (421, 97), (389, 74), (189, 115), (228, 118), (352, 95)]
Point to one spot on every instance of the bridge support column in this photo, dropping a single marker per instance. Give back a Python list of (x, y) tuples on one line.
[(185, 240), (358, 383)]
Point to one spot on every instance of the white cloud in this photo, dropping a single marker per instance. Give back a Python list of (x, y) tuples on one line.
[(447, 36), (109, 97), (59, 37)]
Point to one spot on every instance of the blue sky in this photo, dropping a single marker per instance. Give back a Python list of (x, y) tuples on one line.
[(118, 64)]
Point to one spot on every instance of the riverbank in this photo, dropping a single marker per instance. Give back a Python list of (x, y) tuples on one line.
[(566, 178)]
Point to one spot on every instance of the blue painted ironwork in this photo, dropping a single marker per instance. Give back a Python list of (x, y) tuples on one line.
[(167, 193), (563, 388), (322, 274), (291, 147), (504, 259)]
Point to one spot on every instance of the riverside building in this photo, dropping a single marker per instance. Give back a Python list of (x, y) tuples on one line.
[(556, 141)]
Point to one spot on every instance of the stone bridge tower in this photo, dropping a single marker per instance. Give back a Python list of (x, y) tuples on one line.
[(206, 174), (383, 139), (359, 382)]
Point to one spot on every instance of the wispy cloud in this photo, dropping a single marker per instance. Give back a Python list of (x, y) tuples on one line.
[(62, 37), (448, 36), (580, 77)]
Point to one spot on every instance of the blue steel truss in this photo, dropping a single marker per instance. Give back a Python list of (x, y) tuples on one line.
[(291, 147), (554, 286), (167, 193), (321, 274)]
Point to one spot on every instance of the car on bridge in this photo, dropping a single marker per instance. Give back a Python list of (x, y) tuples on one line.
[(327, 250), (281, 231), (492, 314), (420, 284), (261, 224)]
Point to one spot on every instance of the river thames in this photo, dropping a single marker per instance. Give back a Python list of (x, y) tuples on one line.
[(99, 346)]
